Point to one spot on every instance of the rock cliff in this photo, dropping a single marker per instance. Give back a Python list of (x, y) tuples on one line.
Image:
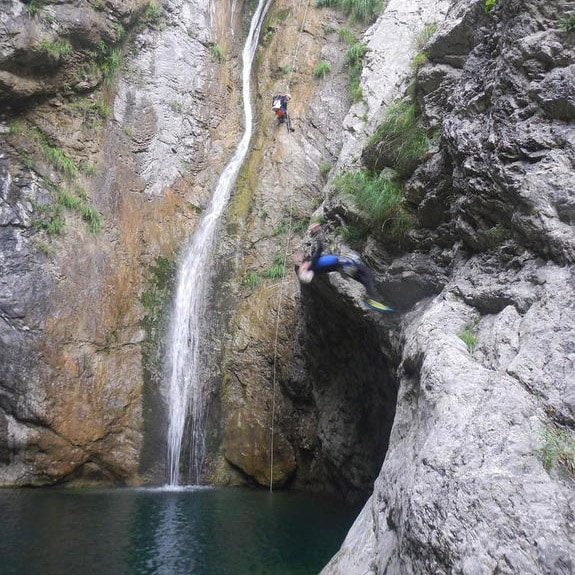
[(106, 108), (486, 376), (117, 118)]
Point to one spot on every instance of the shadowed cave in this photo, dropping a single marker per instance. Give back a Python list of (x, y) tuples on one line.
[(344, 374)]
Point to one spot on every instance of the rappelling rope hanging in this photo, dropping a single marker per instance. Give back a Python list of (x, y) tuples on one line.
[(276, 338), (283, 281), (300, 34)]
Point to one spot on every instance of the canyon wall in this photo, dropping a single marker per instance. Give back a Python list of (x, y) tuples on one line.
[(466, 485), (114, 120), (117, 118)]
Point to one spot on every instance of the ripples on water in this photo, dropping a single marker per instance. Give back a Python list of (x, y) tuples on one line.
[(168, 532)]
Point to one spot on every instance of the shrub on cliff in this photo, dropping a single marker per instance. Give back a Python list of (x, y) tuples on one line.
[(354, 62), (379, 198), (359, 10), (399, 142)]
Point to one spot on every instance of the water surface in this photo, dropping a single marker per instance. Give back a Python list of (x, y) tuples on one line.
[(184, 532)]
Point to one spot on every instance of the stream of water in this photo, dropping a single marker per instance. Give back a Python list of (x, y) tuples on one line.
[(185, 531), (186, 390)]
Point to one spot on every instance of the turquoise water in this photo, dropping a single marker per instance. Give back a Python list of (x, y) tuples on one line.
[(187, 532)]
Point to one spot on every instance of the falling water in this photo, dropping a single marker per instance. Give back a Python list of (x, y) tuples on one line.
[(186, 404)]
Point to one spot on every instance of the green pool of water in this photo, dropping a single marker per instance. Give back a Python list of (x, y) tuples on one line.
[(159, 532)]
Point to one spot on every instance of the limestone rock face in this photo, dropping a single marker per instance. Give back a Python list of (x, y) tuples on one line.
[(247, 446), (46, 45), (80, 375), (392, 42), (486, 371), (450, 399)]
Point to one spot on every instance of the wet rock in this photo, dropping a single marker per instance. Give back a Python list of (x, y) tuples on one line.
[(246, 446), (71, 313)]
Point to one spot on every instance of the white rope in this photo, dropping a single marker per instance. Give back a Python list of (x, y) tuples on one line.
[(276, 338), (283, 281), (300, 34)]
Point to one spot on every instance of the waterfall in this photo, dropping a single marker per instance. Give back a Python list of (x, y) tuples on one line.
[(186, 389)]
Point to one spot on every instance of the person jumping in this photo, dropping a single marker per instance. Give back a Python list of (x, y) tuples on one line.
[(348, 265)]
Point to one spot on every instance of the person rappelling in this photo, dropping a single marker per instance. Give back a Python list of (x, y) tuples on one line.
[(352, 266), (279, 106)]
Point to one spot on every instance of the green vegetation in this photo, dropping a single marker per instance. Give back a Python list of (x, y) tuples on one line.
[(278, 268), (399, 143), (469, 338), (290, 222), (43, 247), (379, 198), (281, 229), (72, 197), (218, 53), (52, 215), (327, 28), (419, 60), (354, 233), (354, 61), (93, 112), (26, 158), (57, 50), (283, 15), (105, 60), (101, 63), (424, 36), (54, 155), (266, 38), (160, 274), (420, 43), (155, 300), (489, 5), (151, 14), (103, 109), (322, 69), (299, 222), (286, 69), (120, 31), (88, 168), (109, 61), (496, 235), (400, 139), (324, 168), (347, 36), (358, 10), (252, 279), (34, 7), (558, 448), (568, 24)]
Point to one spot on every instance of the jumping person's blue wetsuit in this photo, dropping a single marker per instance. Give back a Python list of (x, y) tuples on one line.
[(354, 267)]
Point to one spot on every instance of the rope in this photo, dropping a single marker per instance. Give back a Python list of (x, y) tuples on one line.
[(300, 34), (283, 281), (276, 338)]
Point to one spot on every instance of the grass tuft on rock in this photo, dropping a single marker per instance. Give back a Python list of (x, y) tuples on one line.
[(379, 198), (358, 10), (399, 140)]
